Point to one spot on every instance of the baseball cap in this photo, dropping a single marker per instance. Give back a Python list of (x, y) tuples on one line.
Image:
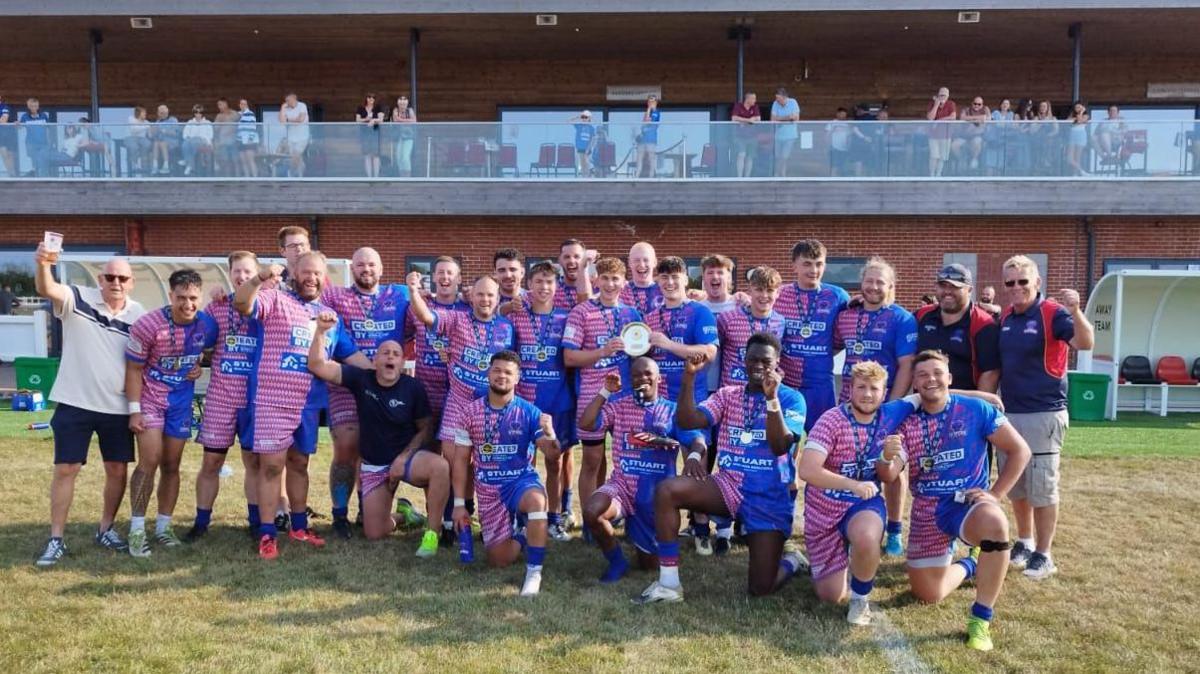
[(955, 274), (586, 113)]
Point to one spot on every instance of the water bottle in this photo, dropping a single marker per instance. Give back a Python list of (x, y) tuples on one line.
[(38, 426), (466, 545)]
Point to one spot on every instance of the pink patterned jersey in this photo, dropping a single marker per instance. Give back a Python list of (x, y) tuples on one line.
[(239, 345), (589, 327), (431, 369), (851, 448), (645, 299), (885, 336), (624, 416), (471, 344), (168, 351), (371, 318), (566, 296), (810, 317), (734, 328), (289, 323)]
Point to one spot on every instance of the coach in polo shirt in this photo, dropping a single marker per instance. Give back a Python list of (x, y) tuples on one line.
[(89, 391), (962, 330), (1035, 339)]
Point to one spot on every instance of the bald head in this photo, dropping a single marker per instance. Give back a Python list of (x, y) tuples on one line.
[(116, 281), (642, 260), (389, 362), (485, 297), (367, 268)]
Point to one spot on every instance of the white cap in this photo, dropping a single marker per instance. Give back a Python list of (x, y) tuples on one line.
[(586, 113)]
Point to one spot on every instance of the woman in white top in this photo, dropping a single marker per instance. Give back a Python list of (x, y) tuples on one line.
[(197, 138), (294, 117), (138, 141)]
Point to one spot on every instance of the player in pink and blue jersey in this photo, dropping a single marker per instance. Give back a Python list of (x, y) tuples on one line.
[(734, 327), (371, 313), (646, 444), (592, 343), (165, 346), (680, 329), (226, 412), (431, 349), (288, 399), (948, 475), (760, 425), (574, 286), (851, 449), (811, 309), (499, 434), (508, 268), (642, 292), (540, 327)]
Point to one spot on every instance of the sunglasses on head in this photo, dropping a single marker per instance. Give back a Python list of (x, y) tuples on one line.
[(111, 278), (1021, 281)]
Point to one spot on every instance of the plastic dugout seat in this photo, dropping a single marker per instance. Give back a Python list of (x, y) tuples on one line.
[(1196, 369), (1173, 370), (1137, 370)]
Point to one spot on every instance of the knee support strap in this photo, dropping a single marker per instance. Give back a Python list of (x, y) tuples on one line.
[(994, 546), (539, 515)]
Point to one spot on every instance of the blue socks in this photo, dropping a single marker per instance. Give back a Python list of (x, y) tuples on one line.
[(268, 529), (252, 515), (341, 513), (617, 566), (982, 612), (300, 521), (534, 556), (668, 553), (203, 517), (566, 500), (553, 518), (861, 588), (967, 563), (894, 527)]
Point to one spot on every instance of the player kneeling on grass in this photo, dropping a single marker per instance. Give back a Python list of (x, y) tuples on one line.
[(850, 450), (499, 434), (759, 424), (395, 426), (646, 443), (948, 476)]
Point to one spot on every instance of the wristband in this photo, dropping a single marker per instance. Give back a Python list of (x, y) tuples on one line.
[(460, 503), (135, 408), (695, 455), (605, 393), (774, 406)]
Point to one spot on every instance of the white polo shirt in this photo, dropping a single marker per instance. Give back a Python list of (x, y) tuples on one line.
[(91, 373)]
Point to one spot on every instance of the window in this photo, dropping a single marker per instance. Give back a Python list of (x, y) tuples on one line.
[(844, 271), (1164, 264)]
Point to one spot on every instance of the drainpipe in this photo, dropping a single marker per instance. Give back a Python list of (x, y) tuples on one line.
[(1090, 232)]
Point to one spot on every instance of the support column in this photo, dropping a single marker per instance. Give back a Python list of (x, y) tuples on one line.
[(414, 38), (96, 38), (741, 33), (1076, 35)]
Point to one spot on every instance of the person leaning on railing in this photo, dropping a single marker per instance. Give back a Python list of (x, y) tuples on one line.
[(247, 139), (404, 118)]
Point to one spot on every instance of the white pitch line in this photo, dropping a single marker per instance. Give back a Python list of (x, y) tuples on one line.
[(895, 647)]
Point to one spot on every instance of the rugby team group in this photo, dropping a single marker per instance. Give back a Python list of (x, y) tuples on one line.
[(637, 372)]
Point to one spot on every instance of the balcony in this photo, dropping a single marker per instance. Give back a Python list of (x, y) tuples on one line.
[(837, 167)]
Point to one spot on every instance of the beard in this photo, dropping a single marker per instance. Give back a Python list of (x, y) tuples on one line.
[(499, 390)]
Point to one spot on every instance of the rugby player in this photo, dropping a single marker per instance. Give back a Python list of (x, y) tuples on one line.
[(642, 293), (508, 268), (680, 329), (575, 284)]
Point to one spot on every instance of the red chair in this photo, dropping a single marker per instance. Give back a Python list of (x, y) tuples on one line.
[(1173, 370), (476, 158), (456, 156), (608, 158), (1133, 143), (708, 161), (545, 160), (564, 159), (508, 160)]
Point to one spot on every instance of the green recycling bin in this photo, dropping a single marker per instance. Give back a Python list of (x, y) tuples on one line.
[(36, 373), (1087, 395)]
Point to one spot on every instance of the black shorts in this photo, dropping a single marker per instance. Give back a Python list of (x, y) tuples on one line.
[(73, 428)]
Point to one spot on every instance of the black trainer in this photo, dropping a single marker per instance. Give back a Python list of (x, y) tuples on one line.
[(194, 534), (283, 522), (341, 528)]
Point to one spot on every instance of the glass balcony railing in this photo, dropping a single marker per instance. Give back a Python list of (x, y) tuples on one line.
[(506, 151)]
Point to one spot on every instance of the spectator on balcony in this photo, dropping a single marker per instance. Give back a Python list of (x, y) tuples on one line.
[(941, 110), (968, 147), (137, 143), (405, 119), (197, 139), (8, 139), (1077, 139), (647, 139), (1109, 133), (247, 139), (585, 142), (840, 130), (69, 151), (167, 139), (37, 137), (94, 142), (225, 139), (745, 136), (1001, 138), (876, 144), (293, 115), (369, 116), (785, 112), (1045, 140)]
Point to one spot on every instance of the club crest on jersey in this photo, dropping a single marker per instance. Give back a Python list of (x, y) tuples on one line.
[(1031, 327)]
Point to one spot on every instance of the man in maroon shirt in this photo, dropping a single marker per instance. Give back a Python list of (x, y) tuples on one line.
[(745, 137), (941, 109)]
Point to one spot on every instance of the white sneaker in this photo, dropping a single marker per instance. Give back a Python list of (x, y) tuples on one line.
[(659, 593), (533, 583), (1040, 567), (704, 546), (558, 533), (859, 612), (791, 553)]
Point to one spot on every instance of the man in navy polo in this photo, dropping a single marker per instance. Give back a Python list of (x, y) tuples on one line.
[(37, 137), (1036, 335), (962, 330)]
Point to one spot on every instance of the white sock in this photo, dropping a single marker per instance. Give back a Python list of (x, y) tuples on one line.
[(280, 511), (855, 595), (447, 524), (137, 523), (668, 576), (1027, 542), (161, 523)]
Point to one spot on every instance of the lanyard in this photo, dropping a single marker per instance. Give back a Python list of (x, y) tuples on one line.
[(187, 330), (609, 314), (491, 427), (750, 414), (861, 327), (935, 426), (805, 308), (757, 325), (861, 450), (489, 326), (235, 319), (367, 306)]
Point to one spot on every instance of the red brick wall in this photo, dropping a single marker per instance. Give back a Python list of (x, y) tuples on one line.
[(914, 247)]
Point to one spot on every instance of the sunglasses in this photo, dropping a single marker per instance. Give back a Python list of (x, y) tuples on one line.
[(112, 278), (1021, 281)]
